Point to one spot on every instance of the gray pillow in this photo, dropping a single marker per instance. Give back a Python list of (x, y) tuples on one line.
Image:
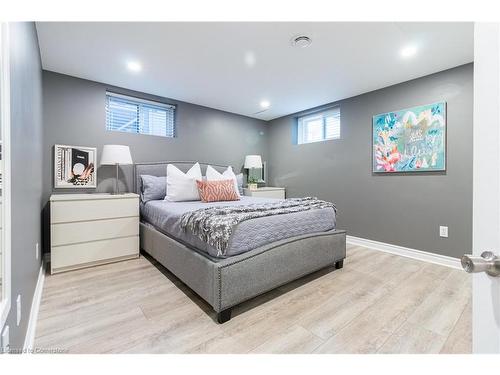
[(153, 188), (239, 180)]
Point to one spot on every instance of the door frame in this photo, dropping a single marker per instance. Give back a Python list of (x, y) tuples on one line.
[(5, 301)]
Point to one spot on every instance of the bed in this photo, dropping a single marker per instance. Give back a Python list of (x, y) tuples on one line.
[(262, 253)]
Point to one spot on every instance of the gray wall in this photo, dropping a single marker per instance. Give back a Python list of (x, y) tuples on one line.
[(74, 114), (404, 210), (27, 170)]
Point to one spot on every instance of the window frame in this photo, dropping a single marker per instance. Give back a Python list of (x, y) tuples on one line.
[(146, 102), (322, 114)]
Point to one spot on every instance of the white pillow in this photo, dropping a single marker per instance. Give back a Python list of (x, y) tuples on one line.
[(228, 174), (182, 186)]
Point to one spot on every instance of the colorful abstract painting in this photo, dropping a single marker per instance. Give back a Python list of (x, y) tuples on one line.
[(410, 140)]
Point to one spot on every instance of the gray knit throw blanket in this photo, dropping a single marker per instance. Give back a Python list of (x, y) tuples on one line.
[(214, 225)]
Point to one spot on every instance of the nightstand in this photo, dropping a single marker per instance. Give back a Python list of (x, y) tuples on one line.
[(92, 229), (266, 192)]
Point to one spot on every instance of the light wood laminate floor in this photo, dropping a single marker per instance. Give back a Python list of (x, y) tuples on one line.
[(378, 303)]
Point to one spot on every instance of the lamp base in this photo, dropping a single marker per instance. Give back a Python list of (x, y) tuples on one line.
[(117, 191)]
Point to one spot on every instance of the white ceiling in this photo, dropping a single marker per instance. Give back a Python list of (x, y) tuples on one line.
[(234, 66)]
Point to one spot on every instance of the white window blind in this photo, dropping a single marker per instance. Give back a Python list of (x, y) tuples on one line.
[(134, 115), (319, 126)]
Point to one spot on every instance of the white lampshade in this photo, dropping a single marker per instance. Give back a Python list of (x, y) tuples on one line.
[(116, 154), (253, 161)]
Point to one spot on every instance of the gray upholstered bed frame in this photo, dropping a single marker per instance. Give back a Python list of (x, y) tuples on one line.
[(224, 283)]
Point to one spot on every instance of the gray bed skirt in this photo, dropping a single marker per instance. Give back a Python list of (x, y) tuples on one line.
[(224, 283)]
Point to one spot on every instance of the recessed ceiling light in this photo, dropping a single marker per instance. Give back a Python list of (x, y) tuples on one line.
[(408, 51), (134, 66), (250, 59), (265, 104), (301, 41)]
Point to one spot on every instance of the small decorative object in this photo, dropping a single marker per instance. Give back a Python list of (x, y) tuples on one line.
[(116, 155), (410, 140), (74, 167), (252, 183), (252, 162)]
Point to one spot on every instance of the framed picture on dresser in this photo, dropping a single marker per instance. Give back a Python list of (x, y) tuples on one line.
[(75, 167), (259, 174)]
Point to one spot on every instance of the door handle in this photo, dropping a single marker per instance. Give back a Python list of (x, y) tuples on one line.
[(487, 262)]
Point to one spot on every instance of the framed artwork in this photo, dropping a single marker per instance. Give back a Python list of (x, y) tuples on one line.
[(259, 174), (410, 140), (74, 167)]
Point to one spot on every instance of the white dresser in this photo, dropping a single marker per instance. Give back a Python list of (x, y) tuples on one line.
[(266, 192), (91, 229)]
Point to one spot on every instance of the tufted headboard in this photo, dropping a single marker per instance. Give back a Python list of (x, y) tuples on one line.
[(159, 168)]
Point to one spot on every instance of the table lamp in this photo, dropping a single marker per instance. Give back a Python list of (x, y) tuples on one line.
[(252, 162), (116, 155)]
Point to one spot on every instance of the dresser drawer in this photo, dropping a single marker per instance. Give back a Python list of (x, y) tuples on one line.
[(84, 210), (86, 231), (67, 257), (278, 194)]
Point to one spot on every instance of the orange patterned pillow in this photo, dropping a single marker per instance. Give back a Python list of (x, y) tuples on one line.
[(217, 191)]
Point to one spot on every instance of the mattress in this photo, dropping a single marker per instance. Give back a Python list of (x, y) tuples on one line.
[(166, 216)]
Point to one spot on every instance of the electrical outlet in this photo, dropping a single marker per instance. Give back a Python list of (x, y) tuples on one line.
[(18, 304), (37, 251), (5, 341), (443, 231)]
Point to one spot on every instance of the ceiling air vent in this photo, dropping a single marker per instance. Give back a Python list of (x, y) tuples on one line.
[(301, 41)]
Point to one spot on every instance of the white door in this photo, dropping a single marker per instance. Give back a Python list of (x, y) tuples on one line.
[(486, 196)]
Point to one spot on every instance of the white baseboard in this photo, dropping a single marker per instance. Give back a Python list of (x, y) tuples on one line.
[(424, 256), (29, 339)]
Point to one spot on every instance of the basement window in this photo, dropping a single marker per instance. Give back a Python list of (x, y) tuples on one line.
[(133, 115), (319, 126)]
